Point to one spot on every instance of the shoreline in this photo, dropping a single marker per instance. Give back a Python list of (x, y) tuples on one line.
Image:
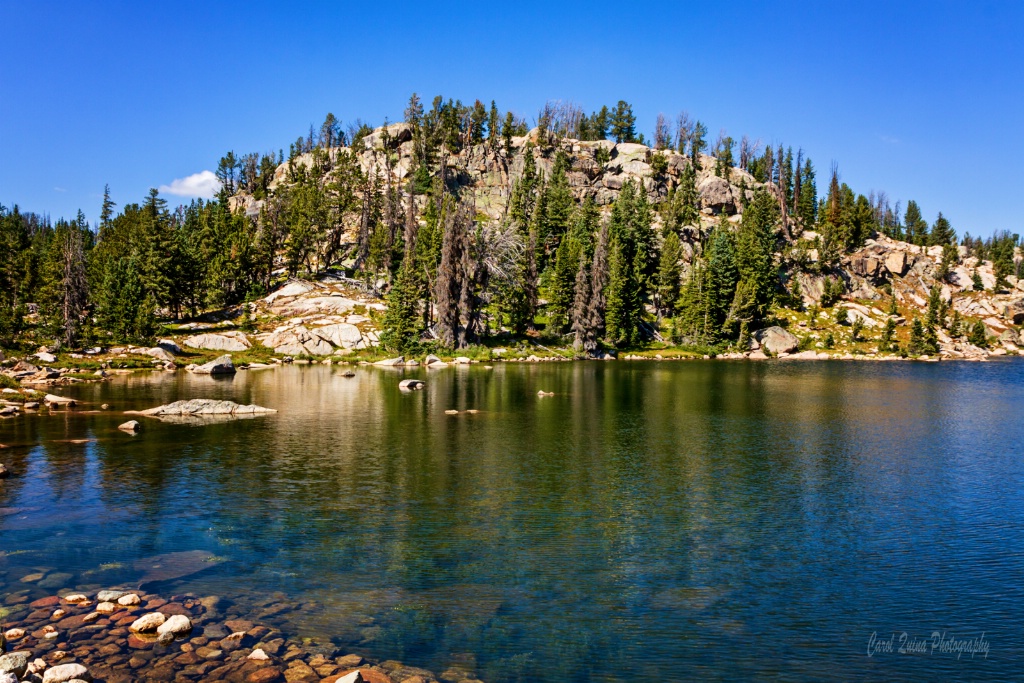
[(112, 636)]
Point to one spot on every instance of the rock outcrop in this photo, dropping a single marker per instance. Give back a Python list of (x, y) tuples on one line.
[(223, 341), (776, 340)]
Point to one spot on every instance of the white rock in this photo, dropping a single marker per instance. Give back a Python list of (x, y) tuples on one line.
[(14, 663), (175, 625), (106, 608), (354, 677), (129, 600), (160, 353), (131, 426), (47, 357), (147, 623), (258, 655), (75, 598), (218, 342), (109, 595), (411, 384), (65, 673), (342, 335)]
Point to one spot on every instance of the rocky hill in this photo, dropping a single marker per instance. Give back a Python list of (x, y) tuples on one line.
[(881, 270)]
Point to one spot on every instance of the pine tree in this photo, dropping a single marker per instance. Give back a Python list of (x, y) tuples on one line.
[(942, 232), (976, 281), (107, 208), (596, 313), (698, 143), (978, 335), (709, 292), (160, 257), (573, 249), (950, 258), (755, 256), (623, 122), (630, 249), (478, 124), (807, 204), (493, 126), (886, 341), (669, 273), (401, 326), (915, 225), (585, 339)]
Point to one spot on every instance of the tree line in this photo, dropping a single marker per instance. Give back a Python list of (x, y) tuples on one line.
[(554, 266)]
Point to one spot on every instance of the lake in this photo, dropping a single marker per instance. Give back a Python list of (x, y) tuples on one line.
[(698, 520)]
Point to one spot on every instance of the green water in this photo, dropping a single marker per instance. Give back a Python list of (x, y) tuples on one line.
[(684, 521)]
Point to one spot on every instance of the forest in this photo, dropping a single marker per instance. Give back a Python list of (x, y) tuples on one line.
[(551, 262)]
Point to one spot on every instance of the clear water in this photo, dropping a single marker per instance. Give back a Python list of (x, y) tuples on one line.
[(680, 521)]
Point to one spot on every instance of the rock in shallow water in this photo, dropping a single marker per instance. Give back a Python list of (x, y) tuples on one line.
[(131, 426), (176, 625), (65, 673), (110, 596), (217, 366), (147, 623), (198, 409), (14, 663)]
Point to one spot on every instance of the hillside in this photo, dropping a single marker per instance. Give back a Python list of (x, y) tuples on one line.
[(456, 232)]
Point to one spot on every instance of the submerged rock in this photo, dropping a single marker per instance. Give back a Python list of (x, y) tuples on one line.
[(65, 673)]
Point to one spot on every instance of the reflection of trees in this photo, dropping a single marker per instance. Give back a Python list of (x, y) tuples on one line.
[(645, 507)]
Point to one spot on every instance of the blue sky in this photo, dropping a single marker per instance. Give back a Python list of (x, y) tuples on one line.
[(921, 100)]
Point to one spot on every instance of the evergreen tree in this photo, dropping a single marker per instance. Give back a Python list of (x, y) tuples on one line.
[(107, 208), (630, 249), (976, 282), (493, 126), (401, 329), (572, 250), (915, 225), (887, 341), (698, 143), (709, 291), (478, 124), (950, 258), (755, 259), (669, 273), (593, 323), (942, 232), (724, 159), (623, 122), (978, 335)]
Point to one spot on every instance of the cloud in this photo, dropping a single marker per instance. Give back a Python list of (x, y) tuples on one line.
[(60, 189), (203, 184), (889, 139)]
